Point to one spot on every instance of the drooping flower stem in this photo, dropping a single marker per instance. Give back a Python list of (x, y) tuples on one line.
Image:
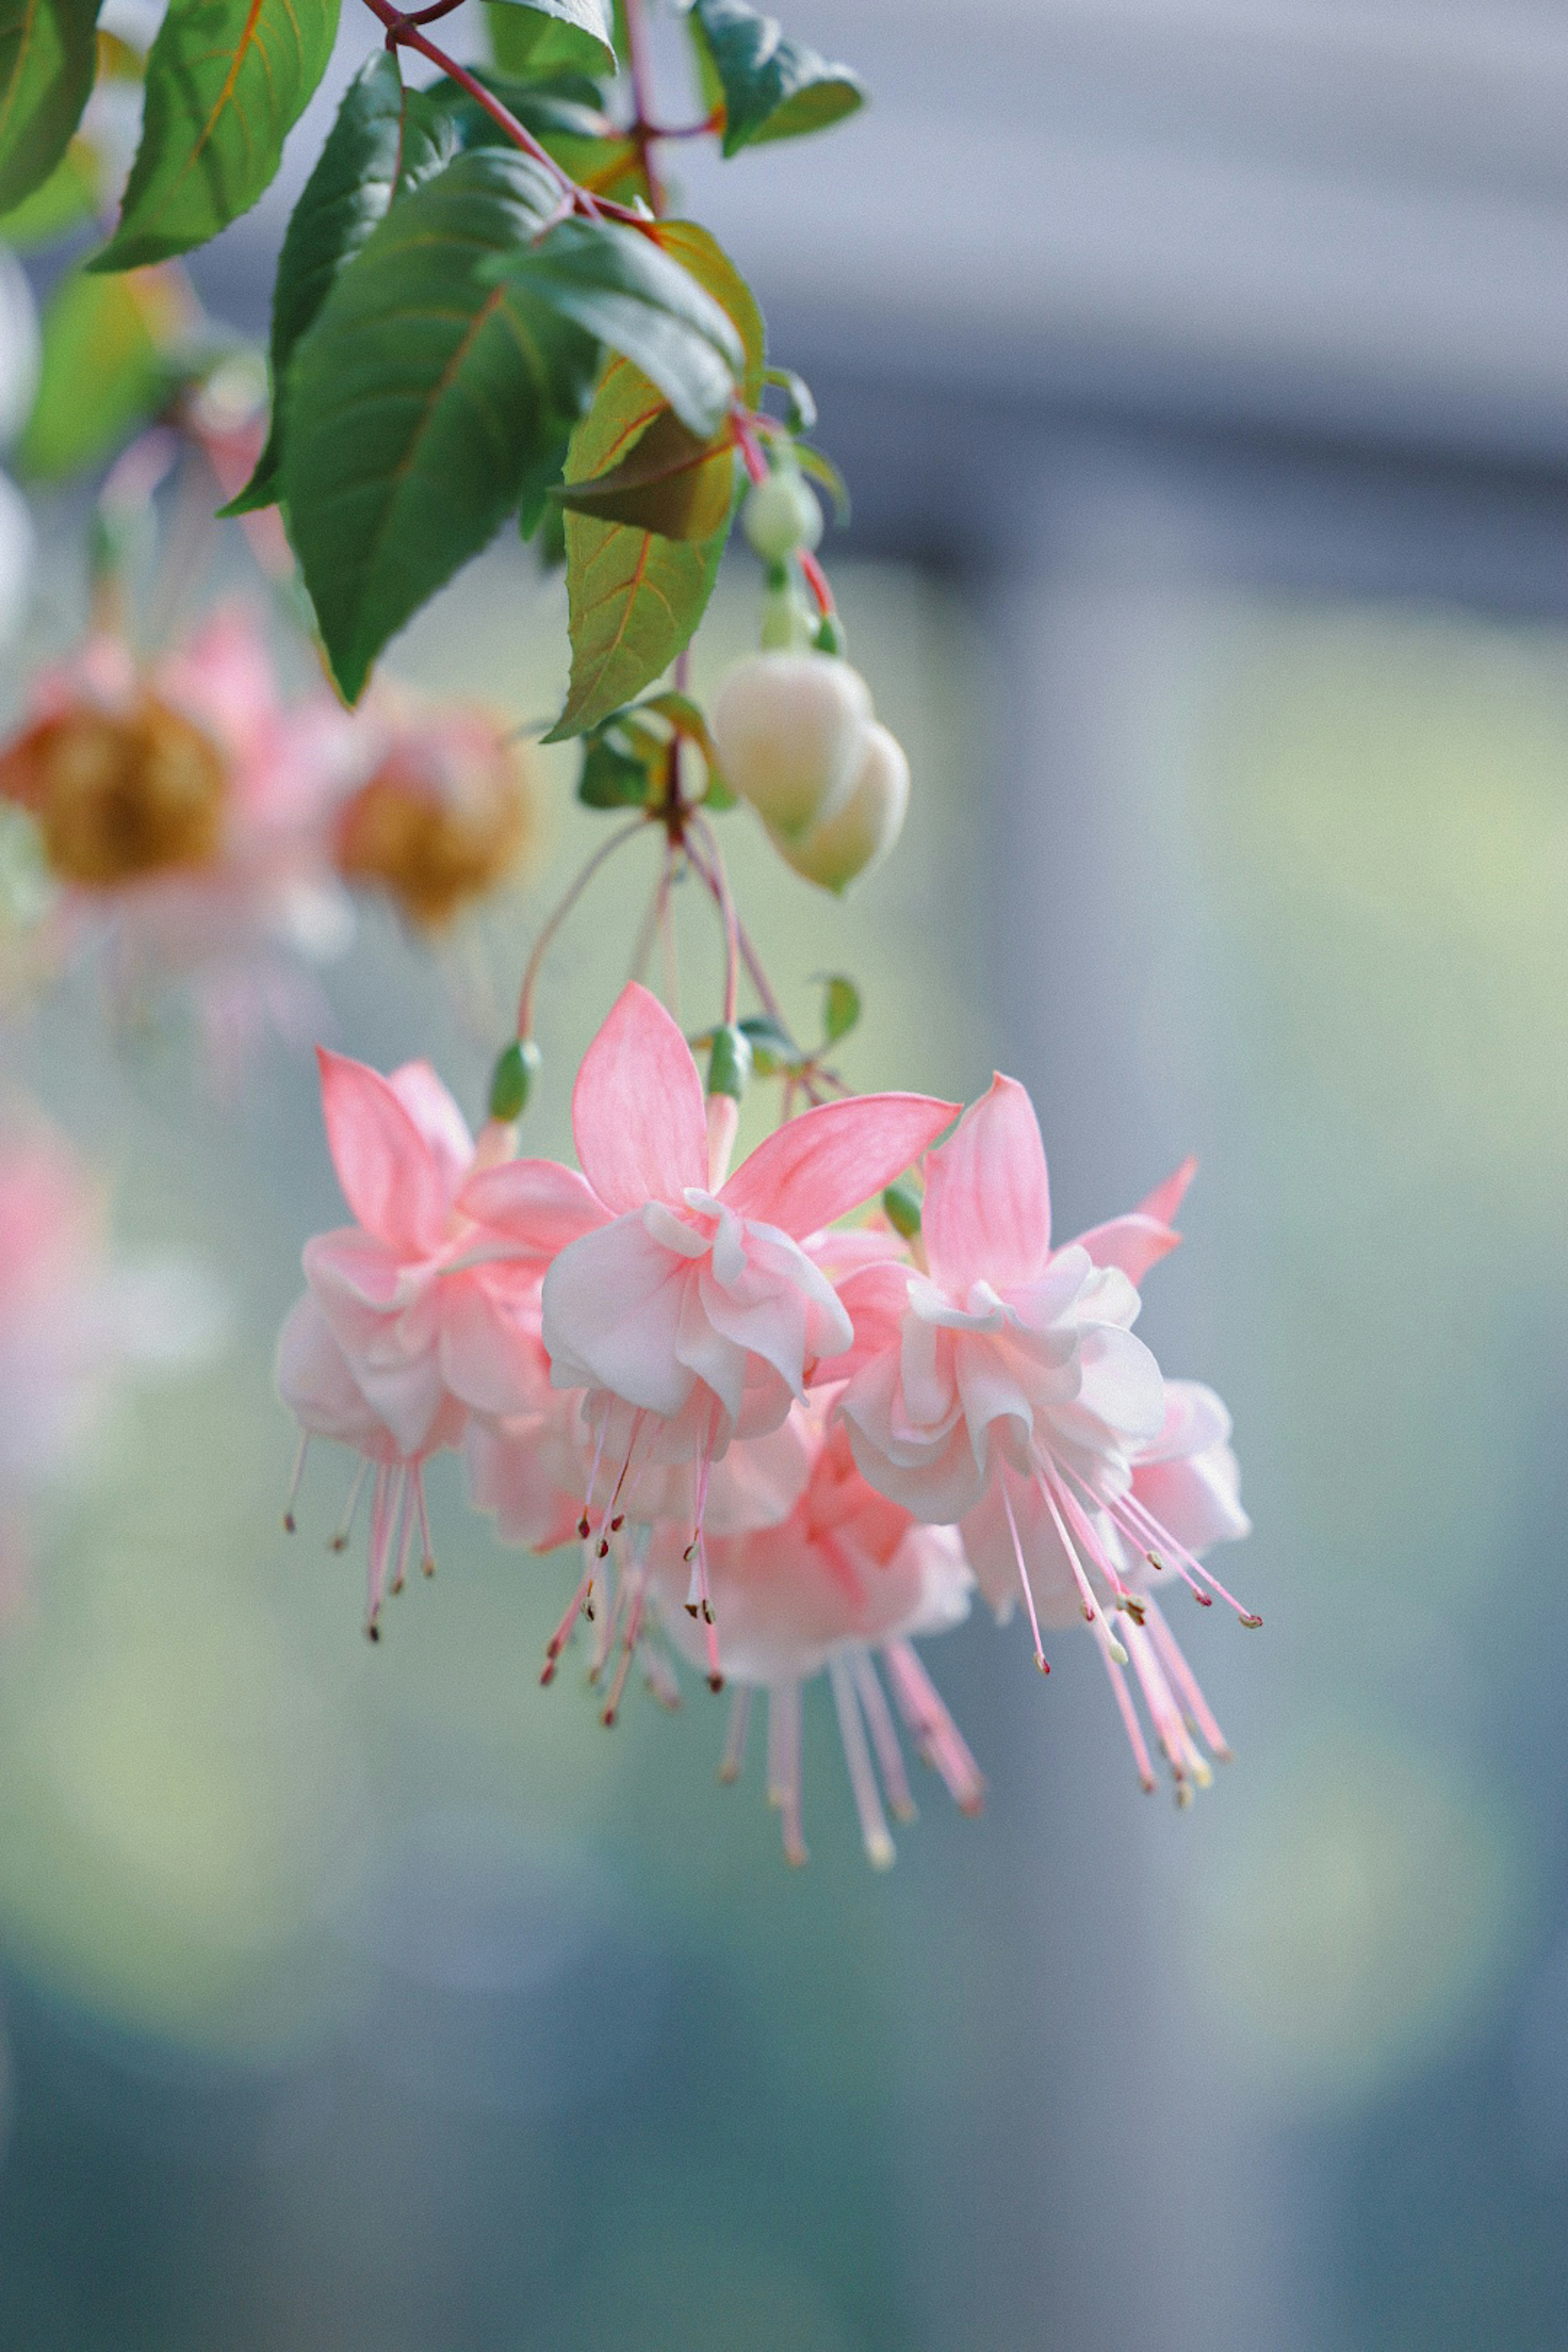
[(719, 882)]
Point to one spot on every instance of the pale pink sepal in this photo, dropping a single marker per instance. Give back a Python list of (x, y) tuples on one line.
[(818, 1166), (1146, 1234), (391, 1179), (535, 1203), (638, 1116), (987, 1214)]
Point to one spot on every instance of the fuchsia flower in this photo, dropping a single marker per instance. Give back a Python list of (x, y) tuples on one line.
[(414, 1317), (688, 1309), (1003, 1390), (185, 814)]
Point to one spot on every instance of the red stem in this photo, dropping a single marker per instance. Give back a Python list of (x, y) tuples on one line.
[(403, 32)]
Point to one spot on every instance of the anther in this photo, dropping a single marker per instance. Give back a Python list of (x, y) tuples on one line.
[(604, 1552), (1045, 1666), (715, 1682), (338, 1543), (1252, 1622), (291, 1524), (617, 1523), (373, 1630), (582, 1527), (690, 1606), (1204, 1599), (427, 1565), (1134, 1609)]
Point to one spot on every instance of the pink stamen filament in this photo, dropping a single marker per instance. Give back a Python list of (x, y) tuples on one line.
[(427, 1555), (1186, 1682), (1023, 1571), (289, 1522), (629, 1648), (732, 1760), (940, 1743), (1163, 1538), (874, 1835), (1093, 1614), (564, 1630), (787, 1698), (656, 1674), (340, 1541), (884, 1737), (1130, 1722)]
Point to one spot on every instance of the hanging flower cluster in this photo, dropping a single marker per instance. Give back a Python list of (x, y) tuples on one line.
[(790, 1412), (785, 1444)]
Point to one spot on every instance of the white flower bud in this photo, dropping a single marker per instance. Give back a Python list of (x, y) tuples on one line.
[(790, 730), (780, 516), (835, 852)]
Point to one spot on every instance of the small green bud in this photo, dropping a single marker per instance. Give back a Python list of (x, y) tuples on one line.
[(901, 1207), (517, 1066), (781, 515), (830, 637), (730, 1064)]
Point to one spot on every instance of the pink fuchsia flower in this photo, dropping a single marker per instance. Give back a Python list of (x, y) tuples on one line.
[(414, 1317), (184, 814), (1004, 1351), (1184, 1496), (445, 814), (73, 1322), (690, 1313)]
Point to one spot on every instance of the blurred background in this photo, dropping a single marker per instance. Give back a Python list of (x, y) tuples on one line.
[(1209, 443)]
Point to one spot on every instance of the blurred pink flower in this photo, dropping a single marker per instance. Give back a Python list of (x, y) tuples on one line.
[(72, 1323), (185, 814), (445, 812)]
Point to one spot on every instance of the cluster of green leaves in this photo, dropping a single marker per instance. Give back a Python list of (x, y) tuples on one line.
[(459, 331)]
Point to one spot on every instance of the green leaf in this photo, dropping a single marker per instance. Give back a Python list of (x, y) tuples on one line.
[(623, 288), (773, 1050), (540, 37), (108, 364), (49, 56), (674, 483), (841, 1007), (66, 200), (612, 777), (822, 467), (227, 81), (800, 407), (772, 88), (423, 400), (636, 597), (386, 140)]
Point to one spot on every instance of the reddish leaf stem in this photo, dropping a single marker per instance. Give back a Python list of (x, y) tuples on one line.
[(606, 850)]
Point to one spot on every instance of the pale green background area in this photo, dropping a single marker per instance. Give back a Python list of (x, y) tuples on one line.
[(211, 1779)]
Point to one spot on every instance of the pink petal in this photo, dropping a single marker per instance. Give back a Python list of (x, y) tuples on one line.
[(534, 1203), (821, 1165), (637, 1113), (438, 1120), (987, 1215), (874, 1298), (1140, 1239), (491, 1359), (612, 1316), (316, 1383), (391, 1180)]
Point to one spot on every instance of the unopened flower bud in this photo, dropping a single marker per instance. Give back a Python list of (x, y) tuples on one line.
[(781, 515), (834, 853), (730, 1062), (790, 730), (517, 1066)]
